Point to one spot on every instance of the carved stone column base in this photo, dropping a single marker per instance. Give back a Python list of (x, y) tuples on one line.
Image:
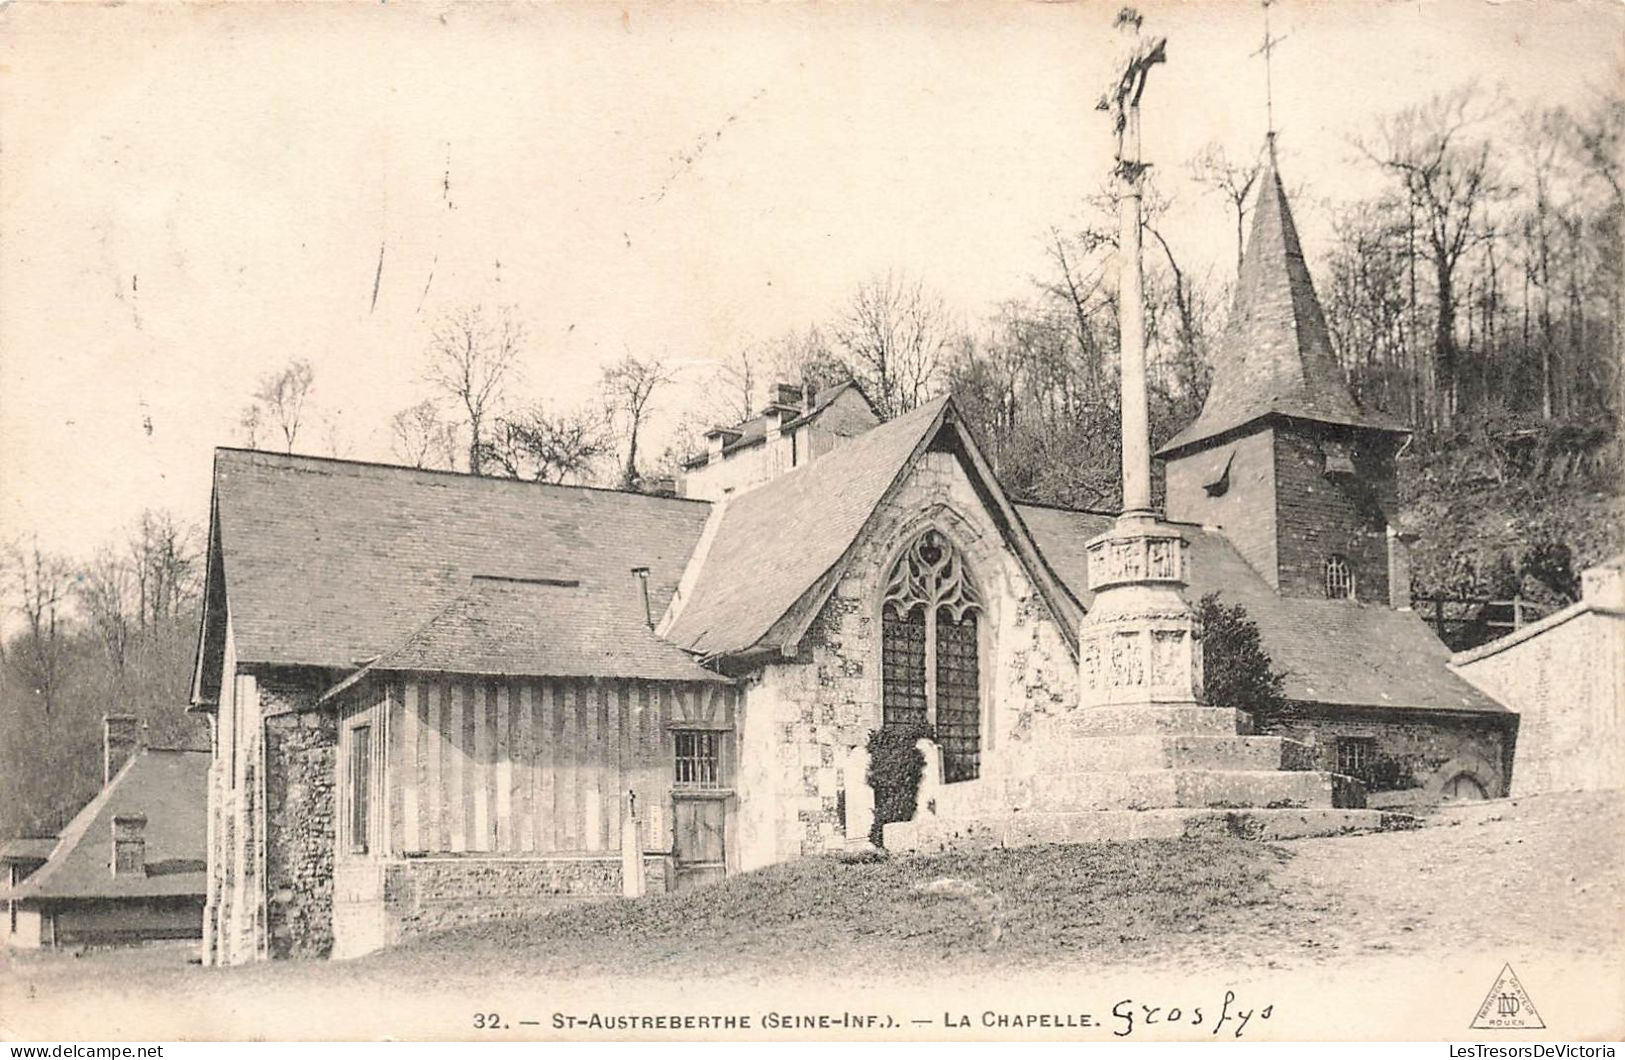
[(1141, 642)]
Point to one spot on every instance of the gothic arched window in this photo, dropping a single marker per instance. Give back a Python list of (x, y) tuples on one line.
[(930, 652), (1339, 578)]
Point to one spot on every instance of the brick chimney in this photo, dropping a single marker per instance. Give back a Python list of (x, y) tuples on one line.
[(122, 735), (1399, 569), (130, 844)]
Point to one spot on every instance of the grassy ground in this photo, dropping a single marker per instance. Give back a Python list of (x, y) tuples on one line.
[(972, 908), (1387, 924)]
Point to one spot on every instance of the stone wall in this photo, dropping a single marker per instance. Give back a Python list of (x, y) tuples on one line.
[(1318, 515), (429, 894), (1565, 676), (1432, 747), (801, 718), (300, 818)]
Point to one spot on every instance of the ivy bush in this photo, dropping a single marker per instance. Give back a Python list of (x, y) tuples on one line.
[(1236, 670), (895, 768)]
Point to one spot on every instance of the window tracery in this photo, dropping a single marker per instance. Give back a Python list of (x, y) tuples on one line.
[(930, 651)]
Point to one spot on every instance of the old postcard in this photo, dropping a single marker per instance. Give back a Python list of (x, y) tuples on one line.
[(865, 522)]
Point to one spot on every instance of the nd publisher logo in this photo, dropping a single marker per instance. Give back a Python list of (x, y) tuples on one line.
[(1507, 1006)]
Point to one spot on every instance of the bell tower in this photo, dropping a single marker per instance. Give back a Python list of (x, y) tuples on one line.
[(1300, 478)]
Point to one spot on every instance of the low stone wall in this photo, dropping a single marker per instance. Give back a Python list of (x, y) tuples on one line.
[(421, 895), (1429, 747)]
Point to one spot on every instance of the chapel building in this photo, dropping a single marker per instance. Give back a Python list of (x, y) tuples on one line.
[(437, 697)]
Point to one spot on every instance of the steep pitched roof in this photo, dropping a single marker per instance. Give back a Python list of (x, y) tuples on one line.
[(171, 788), (1275, 357), (754, 430), (330, 562), (502, 626), (776, 540), (1328, 651)]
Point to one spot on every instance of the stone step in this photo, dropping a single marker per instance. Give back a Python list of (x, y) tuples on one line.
[(1092, 754), (935, 834), (1185, 720), (1146, 789)]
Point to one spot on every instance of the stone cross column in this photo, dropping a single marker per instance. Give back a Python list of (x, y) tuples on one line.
[(1136, 422), (1139, 644)]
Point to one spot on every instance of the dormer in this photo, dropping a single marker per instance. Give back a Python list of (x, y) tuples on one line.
[(793, 428)]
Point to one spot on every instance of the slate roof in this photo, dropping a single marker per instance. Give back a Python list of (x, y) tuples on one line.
[(500, 627), (171, 788), (775, 541), (329, 562), (1275, 357), (1328, 651), (754, 430)]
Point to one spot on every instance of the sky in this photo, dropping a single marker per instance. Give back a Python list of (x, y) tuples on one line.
[(190, 196)]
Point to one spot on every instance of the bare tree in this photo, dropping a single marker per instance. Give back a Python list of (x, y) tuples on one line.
[(736, 386), (473, 354), (41, 586), (896, 335), (420, 436), (279, 403), (534, 444), (1214, 170), (251, 421), (629, 387), (1447, 173), (165, 564), (106, 594), (804, 357)]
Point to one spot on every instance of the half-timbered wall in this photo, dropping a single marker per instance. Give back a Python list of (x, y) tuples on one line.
[(506, 766)]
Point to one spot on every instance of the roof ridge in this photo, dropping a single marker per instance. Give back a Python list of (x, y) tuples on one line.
[(1063, 508), (500, 481)]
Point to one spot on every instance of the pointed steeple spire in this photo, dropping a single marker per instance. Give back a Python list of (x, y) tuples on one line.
[(1275, 358)]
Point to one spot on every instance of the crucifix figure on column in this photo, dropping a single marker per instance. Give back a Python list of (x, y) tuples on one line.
[(1122, 99)]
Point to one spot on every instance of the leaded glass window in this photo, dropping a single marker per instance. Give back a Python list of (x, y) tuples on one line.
[(930, 652)]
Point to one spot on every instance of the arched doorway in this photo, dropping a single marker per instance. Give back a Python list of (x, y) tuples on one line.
[(1463, 787), (931, 652)]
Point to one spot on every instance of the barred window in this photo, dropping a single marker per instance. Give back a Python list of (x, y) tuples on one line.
[(699, 758), (1355, 754), (1339, 578)]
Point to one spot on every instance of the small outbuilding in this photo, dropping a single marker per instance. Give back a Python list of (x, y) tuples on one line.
[(129, 867)]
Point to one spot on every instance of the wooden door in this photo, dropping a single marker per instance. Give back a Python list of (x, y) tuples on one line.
[(699, 828)]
